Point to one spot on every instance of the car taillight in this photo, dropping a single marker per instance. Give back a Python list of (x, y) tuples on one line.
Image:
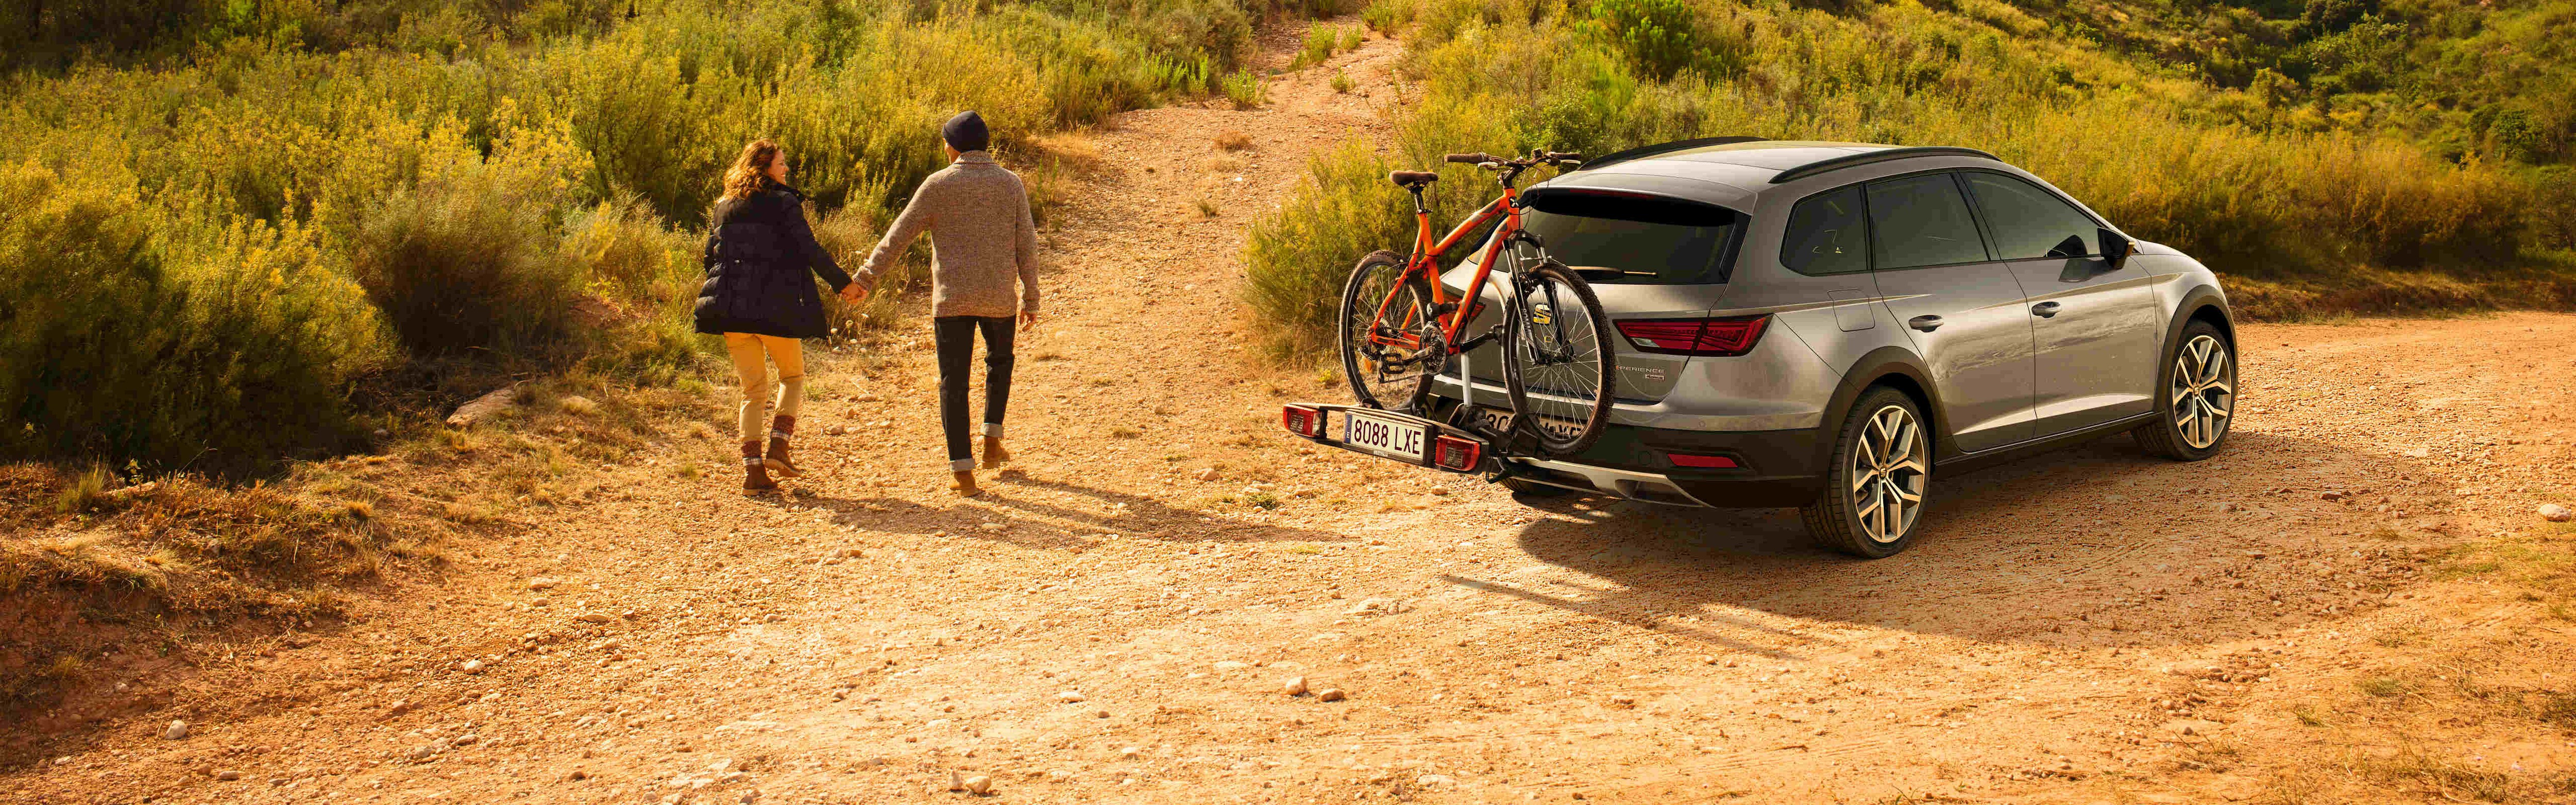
[(1702, 462), (1726, 337), (1453, 453), (1301, 420)]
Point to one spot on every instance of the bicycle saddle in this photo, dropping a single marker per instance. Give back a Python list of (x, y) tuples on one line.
[(1412, 178)]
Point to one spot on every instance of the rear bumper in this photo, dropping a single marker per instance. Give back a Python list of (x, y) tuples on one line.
[(1774, 468)]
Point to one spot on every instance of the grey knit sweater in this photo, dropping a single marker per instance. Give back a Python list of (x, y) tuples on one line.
[(981, 238)]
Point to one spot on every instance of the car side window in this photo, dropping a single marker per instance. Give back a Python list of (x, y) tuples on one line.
[(2029, 222), (1827, 234), (1921, 221)]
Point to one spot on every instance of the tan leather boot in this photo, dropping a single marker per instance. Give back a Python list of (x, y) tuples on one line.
[(994, 455), (755, 474), (965, 485), (781, 427)]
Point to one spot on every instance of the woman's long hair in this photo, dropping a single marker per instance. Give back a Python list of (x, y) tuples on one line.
[(750, 172)]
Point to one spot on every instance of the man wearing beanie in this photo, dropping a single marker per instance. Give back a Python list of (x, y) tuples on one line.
[(981, 239)]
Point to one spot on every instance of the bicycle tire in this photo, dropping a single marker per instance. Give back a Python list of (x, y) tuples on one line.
[(1553, 281), (1376, 271)]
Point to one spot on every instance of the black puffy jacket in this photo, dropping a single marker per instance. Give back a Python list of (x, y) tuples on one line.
[(758, 256)]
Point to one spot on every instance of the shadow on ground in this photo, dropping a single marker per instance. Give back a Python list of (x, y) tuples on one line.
[(2096, 545)]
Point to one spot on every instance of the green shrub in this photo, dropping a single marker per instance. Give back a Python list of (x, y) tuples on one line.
[(1244, 89), (1389, 16), (467, 261), (1662, 37), (142, 339)]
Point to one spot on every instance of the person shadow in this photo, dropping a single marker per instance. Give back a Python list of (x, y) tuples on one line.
[(1047, 525), (2095, 545)]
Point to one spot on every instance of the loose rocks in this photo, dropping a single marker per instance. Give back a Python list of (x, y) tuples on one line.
[(178, 731), (227, 775), (1329, 695), (2556, 513), (979, 785), (1295, 686), (1208, 474), (1070, 697)]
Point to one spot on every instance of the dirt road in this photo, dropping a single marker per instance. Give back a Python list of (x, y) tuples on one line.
[(1107, 626)]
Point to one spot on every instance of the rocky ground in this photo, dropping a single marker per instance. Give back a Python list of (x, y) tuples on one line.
[(2353, 602)]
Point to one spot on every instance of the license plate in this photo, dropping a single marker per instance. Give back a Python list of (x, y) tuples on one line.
[(1383, 436)]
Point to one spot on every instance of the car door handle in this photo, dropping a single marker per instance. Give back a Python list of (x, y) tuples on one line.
[(2045, 310), (1924, 323)]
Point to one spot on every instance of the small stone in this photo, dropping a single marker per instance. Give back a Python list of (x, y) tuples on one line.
[(1624, 700), (979, 785), (1131, 752), (1208, 474), (2330, 496), (1070, 697), (467, 739), (178, 731), (992, 526), (1434, 781), (1440, 490), (956, 781), (472, 666), (1100, 714), (577, 775), (541, 583), (399, 707), (2556, 513), (227, 775), (594, 617), (1058, 775), (1295, 686), (1232, 665), (1329, 695), (852, 553)]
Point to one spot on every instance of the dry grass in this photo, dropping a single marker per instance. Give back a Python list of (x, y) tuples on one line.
[(1233, 140)]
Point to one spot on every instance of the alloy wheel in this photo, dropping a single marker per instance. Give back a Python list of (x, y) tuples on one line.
[(1888, 474), (2203, 391)]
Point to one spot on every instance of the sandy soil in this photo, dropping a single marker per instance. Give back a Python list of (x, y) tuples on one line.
[(1106, 626)]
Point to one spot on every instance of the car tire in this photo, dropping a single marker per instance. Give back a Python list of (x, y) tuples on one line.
[(2197, 396), (1533, 489), (1882, 453)]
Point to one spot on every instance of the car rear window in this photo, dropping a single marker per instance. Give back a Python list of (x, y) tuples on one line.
[(1639, 240)]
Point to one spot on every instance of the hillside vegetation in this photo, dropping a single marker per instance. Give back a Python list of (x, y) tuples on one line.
[(231, 232), (2315, 196)]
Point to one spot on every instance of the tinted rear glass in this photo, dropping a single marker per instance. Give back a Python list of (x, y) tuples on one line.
[(1644, 240)]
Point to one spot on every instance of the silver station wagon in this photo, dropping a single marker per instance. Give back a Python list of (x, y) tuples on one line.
[(1832, 326)]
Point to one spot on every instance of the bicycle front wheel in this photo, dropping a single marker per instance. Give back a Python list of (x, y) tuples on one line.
[(1558, 363), (1390, 338)]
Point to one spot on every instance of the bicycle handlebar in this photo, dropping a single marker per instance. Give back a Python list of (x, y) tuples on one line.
[(1472, 159)]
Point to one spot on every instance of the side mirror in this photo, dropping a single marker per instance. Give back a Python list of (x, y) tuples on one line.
[(2116, 248)]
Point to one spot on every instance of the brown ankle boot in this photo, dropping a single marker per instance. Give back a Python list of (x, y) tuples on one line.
[(964, 484), (994, 455), (755, 476), (781, 427)]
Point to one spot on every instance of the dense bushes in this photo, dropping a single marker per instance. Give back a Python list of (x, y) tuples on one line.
[(131, 335), (209, 257), (2162, 157)]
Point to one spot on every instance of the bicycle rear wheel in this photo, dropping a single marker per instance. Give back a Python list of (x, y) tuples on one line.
[(1390, 338), (1558, 364)]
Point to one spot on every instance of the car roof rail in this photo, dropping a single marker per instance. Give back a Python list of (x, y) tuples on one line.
[(1642, 152), (1881, 155)]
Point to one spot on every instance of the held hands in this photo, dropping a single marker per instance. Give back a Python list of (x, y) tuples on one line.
[(853, 294)]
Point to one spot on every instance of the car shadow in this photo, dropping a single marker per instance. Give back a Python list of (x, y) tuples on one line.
[(2096, 545)]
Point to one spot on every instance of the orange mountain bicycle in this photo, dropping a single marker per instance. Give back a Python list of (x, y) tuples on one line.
[(1399, 325)]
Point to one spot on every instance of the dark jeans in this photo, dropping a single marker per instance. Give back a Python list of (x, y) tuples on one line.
[(956, 338)]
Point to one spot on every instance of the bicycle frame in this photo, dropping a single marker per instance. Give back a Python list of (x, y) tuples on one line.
[(1425, 260)]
